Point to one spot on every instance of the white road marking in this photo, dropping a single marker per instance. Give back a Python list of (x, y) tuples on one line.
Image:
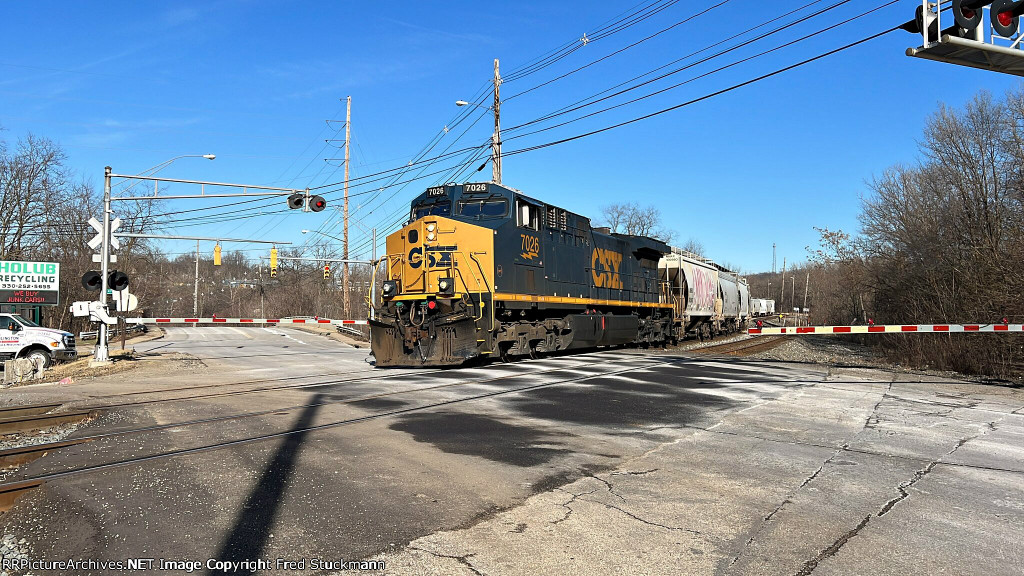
[(286, 335)]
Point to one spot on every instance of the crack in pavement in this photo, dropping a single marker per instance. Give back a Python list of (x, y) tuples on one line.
[(609, 486), (464, 560), (565, 505), (811, 564), (648, 522), (832, 549), (637, 473), (925, 471), (789, 498)]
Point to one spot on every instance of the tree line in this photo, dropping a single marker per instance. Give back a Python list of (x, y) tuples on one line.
[(44, 208)]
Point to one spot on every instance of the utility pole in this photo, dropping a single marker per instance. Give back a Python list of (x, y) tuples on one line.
[(496, 138), (807, 283), (373, 275), (792, 292), (259, 272), (773, 257), (344, 269), (195, 292), (782, 296)]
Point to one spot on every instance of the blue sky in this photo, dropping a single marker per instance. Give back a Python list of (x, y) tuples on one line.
[(131, 84)]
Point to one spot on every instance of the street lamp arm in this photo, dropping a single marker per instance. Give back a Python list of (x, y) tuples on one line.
[(165, 164)]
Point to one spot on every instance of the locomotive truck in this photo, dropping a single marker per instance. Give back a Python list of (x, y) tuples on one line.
[(482, 270)]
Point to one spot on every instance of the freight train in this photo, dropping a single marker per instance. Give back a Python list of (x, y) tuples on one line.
[(483, 271)]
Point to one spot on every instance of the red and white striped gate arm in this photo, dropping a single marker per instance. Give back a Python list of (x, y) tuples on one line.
[(889, 329), (241, 321)]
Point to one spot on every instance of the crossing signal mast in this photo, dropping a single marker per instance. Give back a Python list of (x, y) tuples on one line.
[(992, 43)]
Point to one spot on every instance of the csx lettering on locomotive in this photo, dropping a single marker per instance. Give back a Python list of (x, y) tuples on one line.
[(605, 268), (438, 256)]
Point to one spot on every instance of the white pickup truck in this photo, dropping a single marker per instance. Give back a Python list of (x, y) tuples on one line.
[(21, 338)]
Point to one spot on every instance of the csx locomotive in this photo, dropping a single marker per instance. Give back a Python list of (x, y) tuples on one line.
[(482, 270)]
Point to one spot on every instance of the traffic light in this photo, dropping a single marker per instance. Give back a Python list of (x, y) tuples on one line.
[(273, 258), (327, 271), (273, 272), (117, 281), (296, 201), (1005, 15), (216, 255), (317, 203), (92, 281)]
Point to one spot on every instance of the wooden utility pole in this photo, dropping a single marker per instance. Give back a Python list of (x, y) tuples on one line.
[(496, 138), (344, 269)]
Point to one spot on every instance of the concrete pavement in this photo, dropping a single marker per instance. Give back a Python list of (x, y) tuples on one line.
[(847, 477), (611, 462)]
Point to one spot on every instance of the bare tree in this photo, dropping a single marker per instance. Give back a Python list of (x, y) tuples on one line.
[(631, 219)]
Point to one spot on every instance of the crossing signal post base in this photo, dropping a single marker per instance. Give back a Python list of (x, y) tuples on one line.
[(955, 50)]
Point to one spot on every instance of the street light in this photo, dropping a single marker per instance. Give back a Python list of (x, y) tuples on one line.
[(167, 163), (322, 234), (102, 353)]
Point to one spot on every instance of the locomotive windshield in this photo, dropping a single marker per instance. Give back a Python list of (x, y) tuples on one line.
[(429, 207), (484, 207)]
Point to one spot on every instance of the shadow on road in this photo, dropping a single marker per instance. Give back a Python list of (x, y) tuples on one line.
[(248, 536)]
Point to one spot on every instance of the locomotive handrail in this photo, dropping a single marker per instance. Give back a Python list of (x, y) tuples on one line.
[(483, 275)]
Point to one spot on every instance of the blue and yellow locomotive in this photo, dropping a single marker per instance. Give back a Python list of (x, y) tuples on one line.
[(482, 270)]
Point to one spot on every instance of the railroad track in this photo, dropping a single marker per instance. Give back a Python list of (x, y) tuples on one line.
[(11, 491), (744, 347)]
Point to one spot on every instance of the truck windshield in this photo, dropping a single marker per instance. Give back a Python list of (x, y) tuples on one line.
[(24, 321)]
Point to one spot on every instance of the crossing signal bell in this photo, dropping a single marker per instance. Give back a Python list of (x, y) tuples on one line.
[(1005, 16), (327, 271)]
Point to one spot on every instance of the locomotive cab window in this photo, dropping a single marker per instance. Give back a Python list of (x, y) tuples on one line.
[(441, 207), (528, 214), (483, 207)]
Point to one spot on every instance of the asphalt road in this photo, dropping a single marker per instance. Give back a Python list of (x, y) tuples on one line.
[(613, 461)]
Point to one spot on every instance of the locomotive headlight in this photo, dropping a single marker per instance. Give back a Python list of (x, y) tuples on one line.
[(446, 286), (431, 236), (431, 227), (389, 289)]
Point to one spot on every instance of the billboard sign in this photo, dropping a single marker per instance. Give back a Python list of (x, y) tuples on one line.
[(29, 283)]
